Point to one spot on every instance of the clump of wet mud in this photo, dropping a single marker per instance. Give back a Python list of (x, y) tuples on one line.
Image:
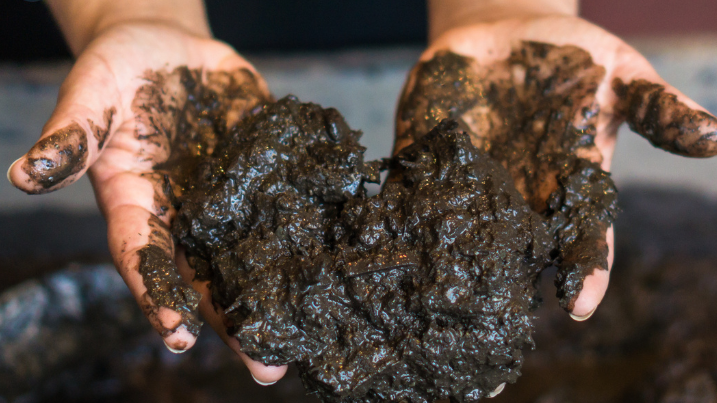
[(536, 113), (422, 292)]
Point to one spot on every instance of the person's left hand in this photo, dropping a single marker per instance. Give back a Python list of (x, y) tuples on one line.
[(526, 89)]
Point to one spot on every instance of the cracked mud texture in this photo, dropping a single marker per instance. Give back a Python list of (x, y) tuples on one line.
[(422, 292), (535, 113)]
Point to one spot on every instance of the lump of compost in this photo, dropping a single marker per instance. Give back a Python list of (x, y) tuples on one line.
[(419, 293)]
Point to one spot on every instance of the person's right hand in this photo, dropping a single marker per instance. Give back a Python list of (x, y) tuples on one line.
[(116, 117)]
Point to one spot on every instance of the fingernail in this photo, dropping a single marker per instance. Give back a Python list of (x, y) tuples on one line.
[(10, 169), (175, 351), (584, 317), (262, 383), (497, 390)]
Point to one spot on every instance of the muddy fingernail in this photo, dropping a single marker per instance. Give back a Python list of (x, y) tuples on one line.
[(497, 390), (57, 158), (10, 169), (175, 351), (262, 383), (584, 317)]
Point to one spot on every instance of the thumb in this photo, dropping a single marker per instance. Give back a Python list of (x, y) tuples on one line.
[(660, 113), (86, 115)]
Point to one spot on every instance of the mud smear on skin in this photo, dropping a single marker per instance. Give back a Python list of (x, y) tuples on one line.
[(180, 115), (63, 154), (535, 113), (165, 288), (100, 133), (56, 158), (664, 121)]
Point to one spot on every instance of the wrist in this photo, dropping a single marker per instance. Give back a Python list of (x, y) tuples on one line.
[(81, 21), (444, 15)]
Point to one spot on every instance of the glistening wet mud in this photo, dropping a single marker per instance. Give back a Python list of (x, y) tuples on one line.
[(365, 260), (535, 113), (422, 292)]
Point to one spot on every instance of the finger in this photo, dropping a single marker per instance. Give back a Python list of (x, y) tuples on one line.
[(594, 285), (141, 244), (588, 201), (659, 112), (77, 131), (263, 374), (584, 256)]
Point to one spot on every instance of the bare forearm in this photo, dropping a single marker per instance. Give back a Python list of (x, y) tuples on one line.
[(83, 20), (446, 14)]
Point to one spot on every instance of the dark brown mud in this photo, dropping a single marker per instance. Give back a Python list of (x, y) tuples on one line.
[(535, 113), (419, 293), (167, 289), (63, 154)]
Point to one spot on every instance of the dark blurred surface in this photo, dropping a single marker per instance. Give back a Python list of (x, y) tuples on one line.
[(271, 25), (33, 243), (29, 33)]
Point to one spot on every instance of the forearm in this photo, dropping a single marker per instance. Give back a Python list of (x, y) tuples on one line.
[(82, 20), (446, 14)]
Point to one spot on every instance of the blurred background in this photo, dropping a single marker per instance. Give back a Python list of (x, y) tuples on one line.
[(348, 54)]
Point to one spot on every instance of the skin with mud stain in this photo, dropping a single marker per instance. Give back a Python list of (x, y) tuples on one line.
[(179, 120), (63, 154), (57, 157), (100, 133), (651, 112)]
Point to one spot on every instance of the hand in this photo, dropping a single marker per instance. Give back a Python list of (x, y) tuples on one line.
[(523, 86), (116, 118)]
